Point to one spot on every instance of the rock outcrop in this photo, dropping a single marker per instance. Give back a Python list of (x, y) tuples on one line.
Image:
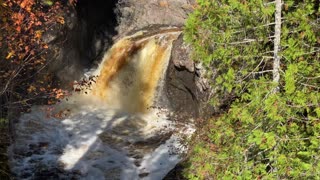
[(137, 14), (86, 34), (186, 87)]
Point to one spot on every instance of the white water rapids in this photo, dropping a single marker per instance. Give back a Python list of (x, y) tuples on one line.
[(113, 131)]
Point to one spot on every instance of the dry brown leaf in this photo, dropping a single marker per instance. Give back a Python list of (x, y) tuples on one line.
[(163, 4)]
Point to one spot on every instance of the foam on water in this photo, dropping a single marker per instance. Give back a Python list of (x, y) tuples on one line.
[(96, 143)]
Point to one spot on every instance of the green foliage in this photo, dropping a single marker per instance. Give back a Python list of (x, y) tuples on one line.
[(47, 2), (3, 121), (231, 36), (263, 134)]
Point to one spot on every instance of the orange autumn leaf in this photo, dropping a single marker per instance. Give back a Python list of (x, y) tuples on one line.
[(18, 18), (28, 9), (31, 89), (60, 20), (59, 95), (38, 23), (24, 3), (18, 28), (10, 55), (38, 34)]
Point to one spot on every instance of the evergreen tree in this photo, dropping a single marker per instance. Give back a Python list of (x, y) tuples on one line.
[(256, 47)]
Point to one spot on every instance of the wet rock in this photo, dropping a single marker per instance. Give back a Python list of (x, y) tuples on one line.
[(26, 175), (137, 163), (43, 144), (142, 175), (113, 174), (181, 56), (186, 88)]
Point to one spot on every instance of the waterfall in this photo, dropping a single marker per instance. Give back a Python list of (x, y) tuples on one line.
[(112, 130), (131, 71)]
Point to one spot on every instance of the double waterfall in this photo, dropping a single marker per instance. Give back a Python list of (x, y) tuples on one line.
[(111, 130)]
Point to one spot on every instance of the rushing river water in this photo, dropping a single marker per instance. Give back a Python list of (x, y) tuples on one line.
[(114, 129)]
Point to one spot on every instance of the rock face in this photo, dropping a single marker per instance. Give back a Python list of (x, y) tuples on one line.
[(137, 14), (186, 88), (86, 34)]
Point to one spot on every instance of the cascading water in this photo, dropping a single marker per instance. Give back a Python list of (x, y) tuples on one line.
[(130, 72), (112, 130)]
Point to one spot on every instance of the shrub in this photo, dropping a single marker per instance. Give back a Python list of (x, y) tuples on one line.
[(266, 133)]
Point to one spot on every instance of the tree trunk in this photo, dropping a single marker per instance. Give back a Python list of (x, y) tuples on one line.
[(276, 62)]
